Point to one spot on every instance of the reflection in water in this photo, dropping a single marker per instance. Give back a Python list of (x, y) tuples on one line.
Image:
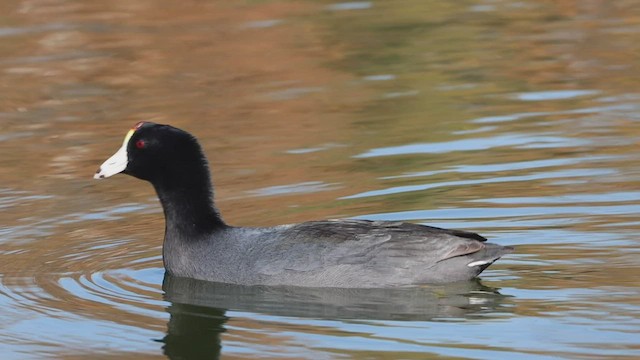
[(198, 308), (194, 331), (458, 300)]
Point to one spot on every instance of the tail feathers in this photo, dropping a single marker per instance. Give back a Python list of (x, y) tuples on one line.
[(488, 255)]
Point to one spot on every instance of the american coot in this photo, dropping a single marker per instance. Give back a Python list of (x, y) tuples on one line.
[(330, 253)]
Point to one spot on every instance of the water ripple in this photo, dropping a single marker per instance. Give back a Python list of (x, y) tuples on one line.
[(522, 141), (558, 174)]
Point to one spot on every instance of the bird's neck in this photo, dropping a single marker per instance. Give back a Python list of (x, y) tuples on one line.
[(187, 201)]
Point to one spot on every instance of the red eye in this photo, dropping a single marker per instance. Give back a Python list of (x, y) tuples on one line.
[(140, 144)]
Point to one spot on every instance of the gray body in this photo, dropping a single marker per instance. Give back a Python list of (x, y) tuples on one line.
[(333, 253)]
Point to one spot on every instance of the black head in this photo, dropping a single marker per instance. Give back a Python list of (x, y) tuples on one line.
[(173, 161), (161, 154)]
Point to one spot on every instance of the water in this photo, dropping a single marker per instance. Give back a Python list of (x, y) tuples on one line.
[(516, 119)]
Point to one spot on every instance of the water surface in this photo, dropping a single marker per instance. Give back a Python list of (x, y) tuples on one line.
[(516, 119)]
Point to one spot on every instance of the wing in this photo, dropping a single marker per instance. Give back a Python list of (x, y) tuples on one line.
[(375, 243)]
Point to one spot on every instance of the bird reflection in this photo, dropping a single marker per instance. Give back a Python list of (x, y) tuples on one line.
[(197, 310), (194, 332)]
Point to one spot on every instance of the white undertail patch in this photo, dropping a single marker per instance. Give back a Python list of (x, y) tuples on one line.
[(478, 263)]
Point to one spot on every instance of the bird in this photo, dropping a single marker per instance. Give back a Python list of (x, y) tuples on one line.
[(342, 253)]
